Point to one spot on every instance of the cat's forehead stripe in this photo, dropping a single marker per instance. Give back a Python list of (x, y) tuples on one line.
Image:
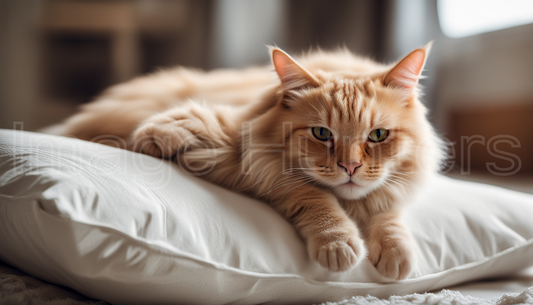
[(352, 99), (352, 94)]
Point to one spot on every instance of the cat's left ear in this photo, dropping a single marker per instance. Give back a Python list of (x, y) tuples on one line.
[(408, 71), (292, 75)]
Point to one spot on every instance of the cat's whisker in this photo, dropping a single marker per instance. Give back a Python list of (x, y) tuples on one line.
[(408, 182), (321, 104), (400, 178), (397, 183), (401, 174), (314, 107)]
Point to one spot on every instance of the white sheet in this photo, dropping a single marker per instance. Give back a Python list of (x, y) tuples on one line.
[(496, 287), (16, 287)]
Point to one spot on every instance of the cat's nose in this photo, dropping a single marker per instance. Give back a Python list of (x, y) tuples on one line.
[(350, 167)]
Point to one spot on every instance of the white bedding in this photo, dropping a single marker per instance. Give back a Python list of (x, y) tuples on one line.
[(16, 287), (496, 287)]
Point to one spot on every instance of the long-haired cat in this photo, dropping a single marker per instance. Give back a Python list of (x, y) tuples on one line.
[(337, 144)]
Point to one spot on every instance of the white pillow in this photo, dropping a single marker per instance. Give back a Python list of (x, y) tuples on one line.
[(131, 229)]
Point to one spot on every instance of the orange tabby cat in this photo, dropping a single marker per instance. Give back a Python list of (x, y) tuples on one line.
[(337, 144)]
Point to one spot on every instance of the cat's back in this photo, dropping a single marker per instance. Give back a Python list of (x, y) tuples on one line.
[(221, 86)]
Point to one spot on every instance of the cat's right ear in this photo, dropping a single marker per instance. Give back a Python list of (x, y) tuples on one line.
[(408, 71), (292, 75)]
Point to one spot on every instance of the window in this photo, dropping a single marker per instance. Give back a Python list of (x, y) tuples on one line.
[(460, 18)]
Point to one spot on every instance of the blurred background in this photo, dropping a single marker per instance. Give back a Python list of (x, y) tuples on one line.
[(58, 54)]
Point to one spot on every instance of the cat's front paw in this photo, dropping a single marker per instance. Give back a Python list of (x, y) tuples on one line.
[(393, 258), (337, 254), (162, 140)]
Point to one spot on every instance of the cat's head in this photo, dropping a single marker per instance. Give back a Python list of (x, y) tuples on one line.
[(354, 132)]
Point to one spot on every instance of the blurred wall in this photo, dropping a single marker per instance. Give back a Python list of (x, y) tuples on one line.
[(241, 29), (19, 61), (358, 25)]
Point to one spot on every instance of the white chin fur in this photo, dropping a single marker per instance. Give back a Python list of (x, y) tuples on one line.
[(356, 191), (353, 192)]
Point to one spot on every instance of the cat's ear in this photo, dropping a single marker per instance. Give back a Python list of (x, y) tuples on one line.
[(291, 74), (408, 71)]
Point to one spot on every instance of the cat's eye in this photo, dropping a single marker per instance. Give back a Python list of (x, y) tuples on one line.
[(321, 133), (378, 135)]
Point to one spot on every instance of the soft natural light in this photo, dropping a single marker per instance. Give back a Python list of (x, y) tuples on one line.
[(460, 18)]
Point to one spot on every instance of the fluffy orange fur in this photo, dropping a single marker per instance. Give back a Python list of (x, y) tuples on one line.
[(253, 133)]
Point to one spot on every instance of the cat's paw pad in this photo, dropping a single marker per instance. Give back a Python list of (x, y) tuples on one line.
[(339, 255), (393, 259), (162, 140)]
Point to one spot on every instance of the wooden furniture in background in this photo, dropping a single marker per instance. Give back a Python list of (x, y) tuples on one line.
[(121, 21), (507, 129)]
